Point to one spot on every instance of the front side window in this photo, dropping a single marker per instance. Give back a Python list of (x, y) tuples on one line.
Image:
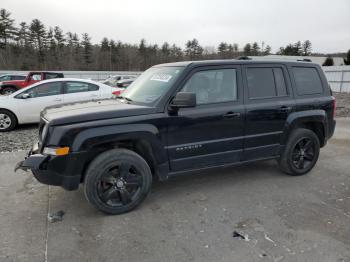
[(265, 82), (213, 86), (47, 89), (152, 84), (77, 87), (307, 80)]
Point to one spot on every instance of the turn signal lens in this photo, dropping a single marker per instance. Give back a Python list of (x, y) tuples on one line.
[(58, 151)]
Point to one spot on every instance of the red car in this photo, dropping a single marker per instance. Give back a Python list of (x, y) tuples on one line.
[(9, 87)]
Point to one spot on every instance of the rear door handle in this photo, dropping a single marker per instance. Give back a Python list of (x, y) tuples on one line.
[(57, 99), (232, 115)]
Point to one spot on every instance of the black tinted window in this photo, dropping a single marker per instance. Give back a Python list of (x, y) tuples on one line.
[(47, 89), (307, 80), (76, 87), (213, 86), (265, 82), (260, 82), (53, 75)]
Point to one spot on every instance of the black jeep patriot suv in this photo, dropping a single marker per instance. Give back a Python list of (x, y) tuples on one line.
[(183, 117)]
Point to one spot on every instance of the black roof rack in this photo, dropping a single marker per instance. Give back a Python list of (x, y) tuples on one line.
[(243, 58), (304, 60)]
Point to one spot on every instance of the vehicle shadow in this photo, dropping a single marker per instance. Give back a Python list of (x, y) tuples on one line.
[(230, 180)]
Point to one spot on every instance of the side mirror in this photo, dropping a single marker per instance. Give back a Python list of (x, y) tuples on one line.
[(184, 100)]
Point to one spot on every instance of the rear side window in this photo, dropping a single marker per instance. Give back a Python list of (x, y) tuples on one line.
[(266, 82), (77, 87), (307, 80), (19, 77)]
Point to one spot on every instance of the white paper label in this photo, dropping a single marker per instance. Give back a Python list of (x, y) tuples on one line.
[(161, 77)]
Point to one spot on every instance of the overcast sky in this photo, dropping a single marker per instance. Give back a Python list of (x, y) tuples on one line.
[(276, 22)]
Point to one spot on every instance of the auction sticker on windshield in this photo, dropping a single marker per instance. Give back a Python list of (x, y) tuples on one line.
[(161, 77)]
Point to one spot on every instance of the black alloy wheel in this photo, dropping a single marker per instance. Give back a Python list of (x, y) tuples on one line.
[(304, 153), (120, 184), (117, 181)]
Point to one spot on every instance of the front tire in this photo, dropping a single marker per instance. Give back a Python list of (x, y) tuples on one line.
[(8, 121), (117, 181), (301, 152)]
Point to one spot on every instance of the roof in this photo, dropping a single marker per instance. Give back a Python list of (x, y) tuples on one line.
[(67, 79), (260, 60)]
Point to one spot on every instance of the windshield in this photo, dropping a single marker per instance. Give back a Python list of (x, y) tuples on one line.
[(152, 84)]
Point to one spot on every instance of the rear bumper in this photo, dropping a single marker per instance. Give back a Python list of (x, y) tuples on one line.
[(331, 129), (65, 171)]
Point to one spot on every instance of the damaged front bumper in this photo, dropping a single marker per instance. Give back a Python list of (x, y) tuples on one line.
[(33, 160), (53, 170)]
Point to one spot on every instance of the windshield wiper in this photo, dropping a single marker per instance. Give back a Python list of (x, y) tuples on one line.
[(125, 98)]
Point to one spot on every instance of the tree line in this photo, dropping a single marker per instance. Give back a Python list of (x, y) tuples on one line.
[(34, 46)]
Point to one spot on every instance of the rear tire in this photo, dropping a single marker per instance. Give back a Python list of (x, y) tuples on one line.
[(8, 120), (8, 90), (117, 181), (301, 152)]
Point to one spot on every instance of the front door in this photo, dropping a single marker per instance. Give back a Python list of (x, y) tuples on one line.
[(40, 96), (269, 101), (210, 134)]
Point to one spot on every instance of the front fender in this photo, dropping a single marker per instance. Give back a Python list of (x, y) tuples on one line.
[(299, 118), (91, 138)]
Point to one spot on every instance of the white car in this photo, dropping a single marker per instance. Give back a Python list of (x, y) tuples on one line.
[(25, 105)]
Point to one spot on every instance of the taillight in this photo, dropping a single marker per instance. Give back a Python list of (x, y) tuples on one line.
[(333, 106), (117, 93)]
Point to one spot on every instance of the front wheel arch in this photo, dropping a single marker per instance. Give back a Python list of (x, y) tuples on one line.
[(13, 115)]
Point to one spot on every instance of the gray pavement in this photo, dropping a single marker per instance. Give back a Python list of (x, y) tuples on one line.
[(191, 218)]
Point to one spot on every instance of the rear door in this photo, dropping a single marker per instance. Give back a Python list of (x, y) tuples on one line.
[(75, 91), (210, 134), (269, 101), (40, 96)]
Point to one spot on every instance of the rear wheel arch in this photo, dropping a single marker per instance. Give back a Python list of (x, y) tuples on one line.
[(312, 120), (15, 88)]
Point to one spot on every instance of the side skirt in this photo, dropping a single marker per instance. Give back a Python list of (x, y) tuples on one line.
[(194, 171)]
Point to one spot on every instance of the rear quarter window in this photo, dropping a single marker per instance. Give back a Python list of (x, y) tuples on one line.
[(307, 81)]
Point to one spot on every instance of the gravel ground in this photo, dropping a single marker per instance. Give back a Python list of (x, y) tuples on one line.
[(23, 137), (343, 104)]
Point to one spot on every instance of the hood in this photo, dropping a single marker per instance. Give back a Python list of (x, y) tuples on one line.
[(93, 110)]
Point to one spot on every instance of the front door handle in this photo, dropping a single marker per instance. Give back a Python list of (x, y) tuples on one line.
[(286, 108), (232, 115), (57, 99)]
